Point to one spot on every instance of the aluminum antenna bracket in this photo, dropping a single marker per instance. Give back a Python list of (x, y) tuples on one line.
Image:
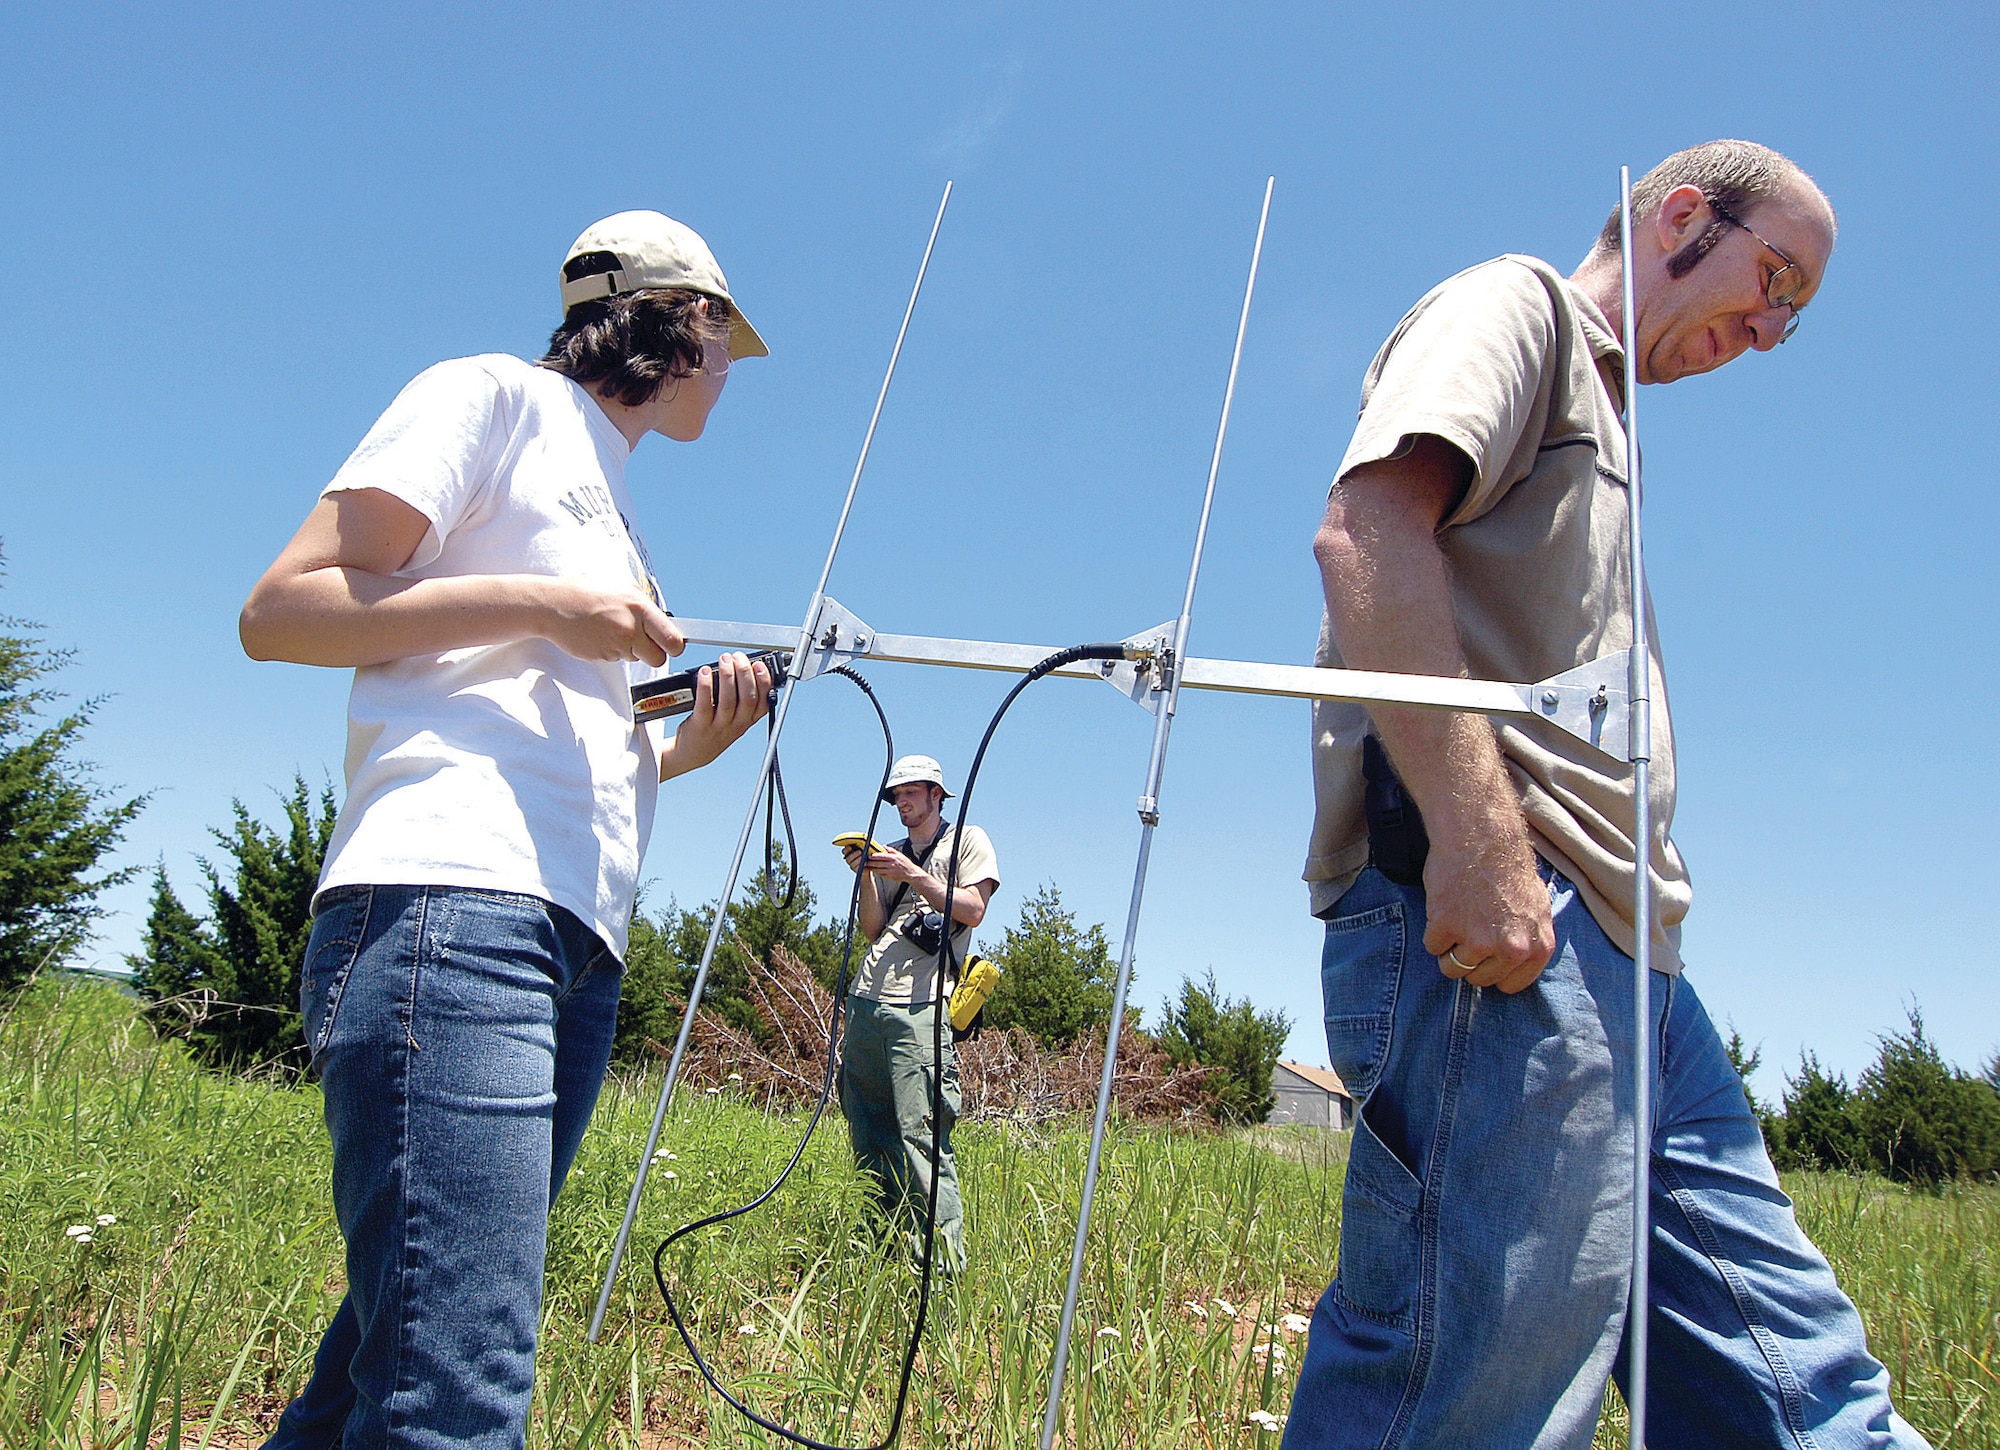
[(1590, 702), (1143, 681), (838, 637)]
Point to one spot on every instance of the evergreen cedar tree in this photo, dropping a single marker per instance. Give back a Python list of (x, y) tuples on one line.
[(1912, 1117), (661, 956), (1213, 1030), (229, 984), (1056, 981), (55, 823)]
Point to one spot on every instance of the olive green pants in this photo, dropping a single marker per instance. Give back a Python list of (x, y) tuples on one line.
[(887, 1057)]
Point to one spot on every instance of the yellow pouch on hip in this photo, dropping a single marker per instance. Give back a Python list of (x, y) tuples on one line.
[(972, 991)]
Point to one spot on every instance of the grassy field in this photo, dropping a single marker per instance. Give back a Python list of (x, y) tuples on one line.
[(168, 1256)]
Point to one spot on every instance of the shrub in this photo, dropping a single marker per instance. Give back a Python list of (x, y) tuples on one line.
[(54, 826), (1770, 1124), (1922, 1121), (662, 956), (1056, 982), (1229, 1034), (1820, 1125), (230, 984)]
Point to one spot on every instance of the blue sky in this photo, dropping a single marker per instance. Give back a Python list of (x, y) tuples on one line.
[(232, 233)]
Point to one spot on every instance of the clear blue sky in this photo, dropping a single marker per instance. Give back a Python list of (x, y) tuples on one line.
[(232, 233)]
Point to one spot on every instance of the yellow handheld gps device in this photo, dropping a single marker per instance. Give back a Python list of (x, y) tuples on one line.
[(858, 841)]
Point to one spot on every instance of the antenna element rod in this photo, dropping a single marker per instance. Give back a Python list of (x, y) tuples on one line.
[(783, 707), (1149, 817), (1639, 689)]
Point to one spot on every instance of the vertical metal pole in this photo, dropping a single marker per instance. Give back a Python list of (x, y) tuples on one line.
[(1149, 817), (716, 927), (1639, 684)]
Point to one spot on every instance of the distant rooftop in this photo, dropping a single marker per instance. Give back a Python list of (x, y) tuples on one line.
[(1320, 1077)]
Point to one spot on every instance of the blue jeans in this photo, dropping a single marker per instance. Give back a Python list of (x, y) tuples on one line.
[(461, 1037), (1485, 1246)]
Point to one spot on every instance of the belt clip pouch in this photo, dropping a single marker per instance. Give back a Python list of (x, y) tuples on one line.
[(1397, 844), (968, 998)]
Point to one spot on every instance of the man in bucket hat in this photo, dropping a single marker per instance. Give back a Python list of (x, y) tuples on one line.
[(890, 1050)]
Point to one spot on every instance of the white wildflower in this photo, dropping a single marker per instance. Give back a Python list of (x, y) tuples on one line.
[(664, 1156), (1196, 1310), (746, 1330), (79, 1232), (736, 1077), (1225, 1306), (1264, 1420), (105, 1220), (1109, 1333), (1295, 1323), (669, 1174), (711, 1091)]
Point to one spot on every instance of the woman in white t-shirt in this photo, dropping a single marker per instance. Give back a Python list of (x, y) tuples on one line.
[(477, 563)]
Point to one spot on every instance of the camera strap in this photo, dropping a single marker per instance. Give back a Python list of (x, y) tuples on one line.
[(945, 830)]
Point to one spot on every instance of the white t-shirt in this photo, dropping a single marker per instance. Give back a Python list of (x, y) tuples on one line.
[(510, 767)]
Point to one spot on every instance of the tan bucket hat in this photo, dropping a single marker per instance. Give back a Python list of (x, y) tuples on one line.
[(911, 769), (656, 251)]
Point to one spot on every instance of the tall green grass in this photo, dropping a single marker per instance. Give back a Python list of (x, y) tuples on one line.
[(191, 1319)]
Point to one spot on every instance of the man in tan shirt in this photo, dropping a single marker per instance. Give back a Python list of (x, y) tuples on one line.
[(896, 1057), (1476, 879)]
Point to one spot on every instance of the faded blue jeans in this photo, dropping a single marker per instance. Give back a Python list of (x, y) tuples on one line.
[(461, 1037), (1486, 1228)]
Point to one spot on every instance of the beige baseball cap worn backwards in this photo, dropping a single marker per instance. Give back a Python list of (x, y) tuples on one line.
[(656, 251)]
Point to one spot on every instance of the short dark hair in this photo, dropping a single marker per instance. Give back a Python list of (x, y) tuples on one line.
[(630, 345), (1734, 175)]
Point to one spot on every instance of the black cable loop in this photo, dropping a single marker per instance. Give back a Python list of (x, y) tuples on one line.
[(791, 841), (947, 952), (774, 794), (819, 1110), (947, 961), (770, 806)]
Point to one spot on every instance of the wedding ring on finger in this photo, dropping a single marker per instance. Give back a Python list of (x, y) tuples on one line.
[(1451, 955)]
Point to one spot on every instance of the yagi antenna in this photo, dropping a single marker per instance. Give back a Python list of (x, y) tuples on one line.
[(1604, 704)]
